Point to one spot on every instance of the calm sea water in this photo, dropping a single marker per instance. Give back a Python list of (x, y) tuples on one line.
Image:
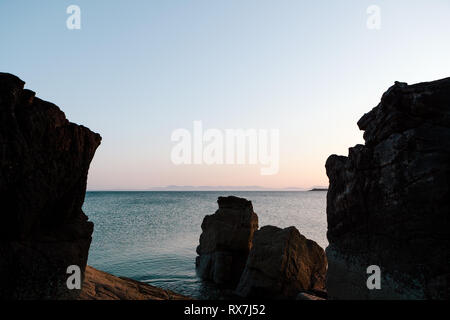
[(152, 236)]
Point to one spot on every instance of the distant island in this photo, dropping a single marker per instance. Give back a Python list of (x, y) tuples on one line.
[(223, 188), (319, 189)]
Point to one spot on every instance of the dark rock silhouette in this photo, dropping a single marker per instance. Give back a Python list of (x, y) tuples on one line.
[(44, 162), (226, 240), (388, 203), (281, 264)]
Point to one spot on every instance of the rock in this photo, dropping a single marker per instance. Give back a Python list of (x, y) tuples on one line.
[(308, 296), (44, 162), (99, 285), (388, 202), (226, 240), (281, 264)]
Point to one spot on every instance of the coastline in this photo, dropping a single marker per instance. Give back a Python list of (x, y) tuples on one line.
[(383, 195)]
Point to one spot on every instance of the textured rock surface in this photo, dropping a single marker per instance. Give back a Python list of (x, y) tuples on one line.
[(99, 285), (226, 240), (308, 296), (44, 162), (281, 264), (388, 202)]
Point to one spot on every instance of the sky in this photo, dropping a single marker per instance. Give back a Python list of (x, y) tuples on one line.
[(137, 71)]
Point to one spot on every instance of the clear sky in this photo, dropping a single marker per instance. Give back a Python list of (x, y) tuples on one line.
[(138, 70)]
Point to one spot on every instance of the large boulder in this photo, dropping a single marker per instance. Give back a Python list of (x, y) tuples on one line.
[(388, 202), (281, 264), (44, 162), (226, 240)]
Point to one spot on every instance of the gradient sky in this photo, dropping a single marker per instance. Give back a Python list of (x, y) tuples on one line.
[(137, 70)]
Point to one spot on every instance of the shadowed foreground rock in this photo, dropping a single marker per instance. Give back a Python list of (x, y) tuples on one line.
[(388, 202), (281, 264), (226, 240), (308, 297), (44, 162), (99, 285)]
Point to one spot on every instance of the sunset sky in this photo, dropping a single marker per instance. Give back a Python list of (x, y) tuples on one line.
[(138, 70)]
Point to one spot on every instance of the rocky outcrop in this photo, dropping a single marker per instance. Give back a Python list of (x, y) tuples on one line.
[(226, 240), (388, 203), (44, 162), (281, 264), (99, 285)]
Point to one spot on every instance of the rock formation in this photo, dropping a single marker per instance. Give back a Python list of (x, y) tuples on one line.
[(44, 162), (281, 264), (226, 240), (99, 285), (388, 202)]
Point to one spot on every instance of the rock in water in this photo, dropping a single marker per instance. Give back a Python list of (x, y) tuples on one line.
[(281, 264), (226, 240), (388, 203), (44, 162)]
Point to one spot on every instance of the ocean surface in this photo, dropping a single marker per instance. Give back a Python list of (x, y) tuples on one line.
[(152, 236)]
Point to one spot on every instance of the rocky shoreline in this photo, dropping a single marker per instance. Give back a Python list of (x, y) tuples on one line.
[(387, 206), (99, 285)]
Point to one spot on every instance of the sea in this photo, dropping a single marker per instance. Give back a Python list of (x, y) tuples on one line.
[(152, 236)]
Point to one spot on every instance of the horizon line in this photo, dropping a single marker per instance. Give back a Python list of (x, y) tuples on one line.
[(209, 188)]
